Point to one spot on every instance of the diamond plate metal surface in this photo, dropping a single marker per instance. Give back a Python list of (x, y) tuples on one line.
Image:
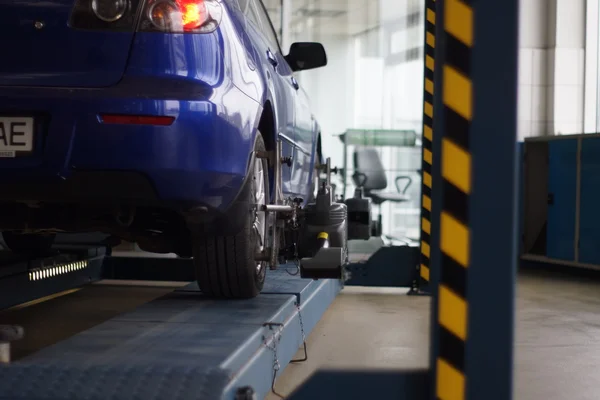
[(180, 346), (56, 382)]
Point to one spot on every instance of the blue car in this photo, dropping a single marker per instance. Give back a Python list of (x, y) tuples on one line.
[(155, 122)]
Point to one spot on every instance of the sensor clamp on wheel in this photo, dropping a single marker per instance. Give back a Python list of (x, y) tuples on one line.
[(321, 230)]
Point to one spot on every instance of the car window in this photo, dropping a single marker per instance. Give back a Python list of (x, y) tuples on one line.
[(265, 24)]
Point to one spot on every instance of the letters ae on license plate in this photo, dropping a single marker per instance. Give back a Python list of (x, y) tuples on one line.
[(16, 136)]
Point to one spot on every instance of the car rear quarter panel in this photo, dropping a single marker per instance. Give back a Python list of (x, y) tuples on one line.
[(221, 67)]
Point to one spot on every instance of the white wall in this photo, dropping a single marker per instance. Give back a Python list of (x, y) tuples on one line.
[(551, 67), (569, 67), (534, 71), (592, 33), (331, 92), (369, 93)]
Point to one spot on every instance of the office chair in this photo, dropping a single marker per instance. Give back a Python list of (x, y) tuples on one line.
[(370, 175)]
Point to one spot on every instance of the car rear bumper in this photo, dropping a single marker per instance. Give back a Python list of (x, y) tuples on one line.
[(201, 159)]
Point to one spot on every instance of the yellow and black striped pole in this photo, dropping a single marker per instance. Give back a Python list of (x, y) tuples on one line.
[(474, 251), (455, 235), (427, 162)]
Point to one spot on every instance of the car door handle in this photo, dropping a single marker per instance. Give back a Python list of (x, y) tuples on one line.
[(295, 83), (271, 58)]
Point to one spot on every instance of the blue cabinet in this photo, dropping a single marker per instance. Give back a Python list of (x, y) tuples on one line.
[(562, 199), (589, 226)]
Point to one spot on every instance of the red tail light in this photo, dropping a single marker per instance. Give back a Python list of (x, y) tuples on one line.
[(193, 14), (136, 120), (181, 16)]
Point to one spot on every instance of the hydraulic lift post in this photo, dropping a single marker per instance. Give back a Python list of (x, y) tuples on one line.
[(475, 199)]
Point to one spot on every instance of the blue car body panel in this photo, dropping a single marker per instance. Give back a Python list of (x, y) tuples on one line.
[(215, 85), (57, 55)]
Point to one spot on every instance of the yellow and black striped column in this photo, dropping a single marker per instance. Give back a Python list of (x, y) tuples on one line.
[(428, 93), (455, 234)]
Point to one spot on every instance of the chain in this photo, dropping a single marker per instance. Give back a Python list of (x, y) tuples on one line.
[(273, 347), (301, 322), (299, 360), (275, 341)]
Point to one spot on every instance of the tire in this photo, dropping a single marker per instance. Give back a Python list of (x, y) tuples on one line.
[(28, 244), (226, 266)]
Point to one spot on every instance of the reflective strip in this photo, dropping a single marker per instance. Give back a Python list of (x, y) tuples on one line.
[(449, 381), (430, 40), (428, 132), (456, 166), (429, 86), (429, 109), (458, 21), (424, 272), (454, 239), (426, 226), (457, 92), (431, 16), (429, 63), (425, 249), (428, 156), (427, 179), (427, 202), (452, 312)]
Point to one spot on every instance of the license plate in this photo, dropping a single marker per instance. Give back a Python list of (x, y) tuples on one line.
[(16, 136)]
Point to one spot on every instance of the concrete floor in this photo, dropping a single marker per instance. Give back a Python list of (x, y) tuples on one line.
[(557, 344)]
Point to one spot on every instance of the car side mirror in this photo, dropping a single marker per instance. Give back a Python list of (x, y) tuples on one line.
[(304, 56)]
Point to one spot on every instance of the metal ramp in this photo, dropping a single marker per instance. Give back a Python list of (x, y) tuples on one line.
[(180, 346)]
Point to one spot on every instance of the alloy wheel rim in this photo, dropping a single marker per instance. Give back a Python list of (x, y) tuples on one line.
[(260, 218)]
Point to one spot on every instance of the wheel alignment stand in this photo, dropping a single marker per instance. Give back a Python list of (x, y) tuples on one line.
[(287, 214)]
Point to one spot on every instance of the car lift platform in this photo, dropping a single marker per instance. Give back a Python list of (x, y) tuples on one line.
[(179, 346)]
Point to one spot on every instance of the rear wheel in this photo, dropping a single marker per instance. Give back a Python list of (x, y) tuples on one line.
[(226, 266), (28, 244)]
